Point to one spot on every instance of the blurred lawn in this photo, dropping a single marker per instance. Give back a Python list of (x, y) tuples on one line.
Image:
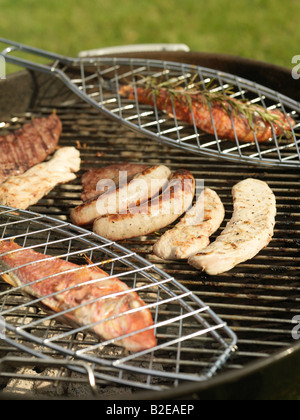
[(265, 30)]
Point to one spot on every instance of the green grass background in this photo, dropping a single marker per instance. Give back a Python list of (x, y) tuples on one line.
[(266, 30)]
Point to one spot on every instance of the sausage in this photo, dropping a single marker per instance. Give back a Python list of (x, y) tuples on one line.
[(192, 233), (143, 186), (152, 215), (91, 180), (250, 229)]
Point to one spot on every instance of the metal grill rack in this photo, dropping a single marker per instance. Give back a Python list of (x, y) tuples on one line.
[(258, 299), (182, 322), (97, 81)]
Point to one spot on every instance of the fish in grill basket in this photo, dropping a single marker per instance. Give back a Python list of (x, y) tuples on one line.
[(87, 293), (214, 113)]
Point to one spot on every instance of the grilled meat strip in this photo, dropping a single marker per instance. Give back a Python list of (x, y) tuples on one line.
[(215, 117), (89, 296), (28, 146), (250, 229), (24, 190), (192, 233)]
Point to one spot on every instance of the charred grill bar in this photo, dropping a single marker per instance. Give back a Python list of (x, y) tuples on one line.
[(258, 299)]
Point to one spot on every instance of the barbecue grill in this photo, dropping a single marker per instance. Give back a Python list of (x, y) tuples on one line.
[(257, 301)]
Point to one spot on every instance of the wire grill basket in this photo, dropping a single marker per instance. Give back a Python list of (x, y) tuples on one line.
[(183, 324), (97, 81)]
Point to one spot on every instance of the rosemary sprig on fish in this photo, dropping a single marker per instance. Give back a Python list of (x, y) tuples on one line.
[(213, 110)]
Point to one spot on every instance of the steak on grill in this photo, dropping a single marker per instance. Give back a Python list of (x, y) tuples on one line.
[(28, 146)]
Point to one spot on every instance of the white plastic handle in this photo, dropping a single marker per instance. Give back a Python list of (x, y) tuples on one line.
[(133, 48)]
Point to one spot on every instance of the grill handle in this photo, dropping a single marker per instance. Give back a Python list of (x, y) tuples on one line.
[(17, 46), (125, 49)]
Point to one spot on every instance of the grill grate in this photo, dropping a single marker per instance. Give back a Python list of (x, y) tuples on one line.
[(257, 300)]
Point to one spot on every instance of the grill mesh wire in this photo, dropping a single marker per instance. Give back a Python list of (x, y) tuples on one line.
[(174, 308), (258, 299), (92, 78), (107, 75), (278, 150)]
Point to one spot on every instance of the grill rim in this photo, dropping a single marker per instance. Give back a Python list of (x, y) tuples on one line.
[(244, 374)]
